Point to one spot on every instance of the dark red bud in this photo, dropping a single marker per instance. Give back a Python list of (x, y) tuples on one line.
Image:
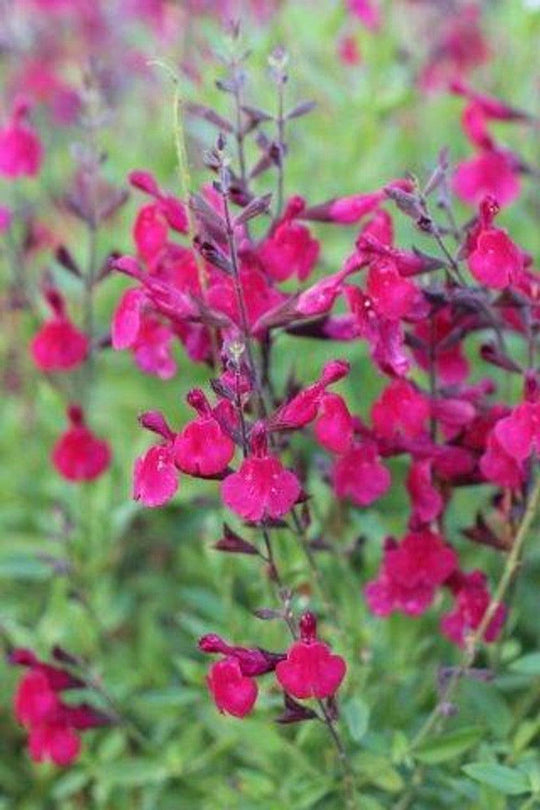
[(259, 440), (156, 422), (197, 399), (75, 414), (334, 371), (55, 300), (212, 643), (308, 627)]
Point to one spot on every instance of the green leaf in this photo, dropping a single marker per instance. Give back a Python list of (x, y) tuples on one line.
[(378, 771), (69, 784), (137, 771), (356, 715), (18, 566), (448, 746), (527, 664), (504, 779)]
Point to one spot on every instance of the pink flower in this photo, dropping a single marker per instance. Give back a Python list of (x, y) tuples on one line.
[(473, 121), (59, 345), (52, 725), (385, 336), (392, 296), (459, 48), (260, 296), (500, 467), (152, 348), (233, 692), (351, 209), (290, 249), (426, 499), (495, 260), (55, 741), (150, 231), (262, 488), (367, 12), (127, 319), (410, 573), (151, 228), (141, 331), (519, 434), (304, 407), (155, 478), (21, 152), (360, 475), (490, 173), (451, 365), (34, 699), (79, 455), (400, 409), (348, 51), (421, 558), (202, 448), (334, 425), (472, 599), (310, 670)]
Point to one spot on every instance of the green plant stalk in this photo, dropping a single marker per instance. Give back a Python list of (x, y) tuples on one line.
[(510, 568)]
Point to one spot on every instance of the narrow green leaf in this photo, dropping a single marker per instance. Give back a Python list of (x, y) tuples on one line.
[(356, 715), (527, 664), (448, 746), (504, 779)]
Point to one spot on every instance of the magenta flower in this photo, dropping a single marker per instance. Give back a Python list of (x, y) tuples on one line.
[(233, 692), (310, 670), (367, 12), (450, 362), (150, 232), (360, 475), (348, 51), (392, 296), (52, 725), (400, 410), (34, 699), (334, 425), (21, 152), (155, 477), (472, 599), (519, 433), (495, 260), (385, 336), (202, 448), (500, 467), (290, 249), (79, 455), (427, 501), (410, 573), (54, 741), (304, 407), (148, 338), (262, 488), (490, 173), (59, 345)]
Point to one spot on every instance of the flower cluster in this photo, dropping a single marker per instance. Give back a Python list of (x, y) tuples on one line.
[(52, 725), (227, 296), (307, 670)]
